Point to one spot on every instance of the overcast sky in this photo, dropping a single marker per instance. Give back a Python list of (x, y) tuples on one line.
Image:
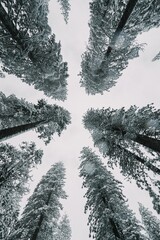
[(139, 85)]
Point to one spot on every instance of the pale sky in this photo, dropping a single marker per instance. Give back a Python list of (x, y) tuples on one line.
[(138, 85)]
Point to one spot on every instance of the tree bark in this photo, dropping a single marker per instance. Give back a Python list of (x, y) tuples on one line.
[(152, 143), (12, 131), (16, 35), (36, 232), (128, 153), (115, 226), (146, 141), (127, 12), (139, 159)]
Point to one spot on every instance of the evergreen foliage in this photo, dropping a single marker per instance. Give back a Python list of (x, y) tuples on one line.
[(64, 230), (15, 167), (65, 8), (29, 49), (131, 140), (17, 115), (40, 216), (109, 217), (151, 223), (114, 26)]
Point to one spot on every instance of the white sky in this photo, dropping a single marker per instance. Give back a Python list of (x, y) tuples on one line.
[(138, 85)]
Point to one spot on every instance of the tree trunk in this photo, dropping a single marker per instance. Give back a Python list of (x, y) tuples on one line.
[(35, 234), (139, 159), (115, 226), (127, 12), (146, 141), (12, 131), (152, 143), (16, 35)]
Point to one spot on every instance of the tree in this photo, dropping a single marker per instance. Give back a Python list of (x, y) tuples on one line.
[(109, 217), (157, 57), (114, 26), (151, 223), (65, 8), (64, 230), (15, 167), (17, 116), (124, 137), (40, 216), (28, 48)]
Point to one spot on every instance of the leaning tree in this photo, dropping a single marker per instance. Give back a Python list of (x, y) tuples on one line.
[(40, 216), (15, 167), (130, 139), (17, 116), (114, 26), (28, 47), (109, 215)]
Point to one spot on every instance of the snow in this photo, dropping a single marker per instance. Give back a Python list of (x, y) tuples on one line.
[(152, 125), (89, 168)]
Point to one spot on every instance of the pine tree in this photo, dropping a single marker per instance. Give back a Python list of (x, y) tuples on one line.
[(40, 216), (109, 217), (15, 166), (120, 135), (17, 116), (29, 49), (65, 8), (114, 26), (151, 223), (64, 230)]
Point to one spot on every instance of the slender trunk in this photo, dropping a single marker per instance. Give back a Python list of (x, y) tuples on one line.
[(127, 12), (146, 141), (152, 143), (12, 131), (16, 35), (115, 226), (38, 228), (128, 153)]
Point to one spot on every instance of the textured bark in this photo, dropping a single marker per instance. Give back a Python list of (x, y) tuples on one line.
[(127, 12), (152, 143), (146, 141), (115, 226), (36, 232), (139, 159), (16, 35), (12, 131)]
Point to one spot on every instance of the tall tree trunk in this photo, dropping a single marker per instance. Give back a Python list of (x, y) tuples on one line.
[(12, 131), (127, 12), (37, 230), (150, 166), (152, 143), (16, 35), (115, 226), (146, 141)]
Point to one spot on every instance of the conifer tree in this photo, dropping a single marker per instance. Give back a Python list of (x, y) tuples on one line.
[(17, 116), (120, 135), (15, 167), (114, 26), (29, 49), (64, 230), (40, 216), (109, 217), (65, 8), (151, 223)]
